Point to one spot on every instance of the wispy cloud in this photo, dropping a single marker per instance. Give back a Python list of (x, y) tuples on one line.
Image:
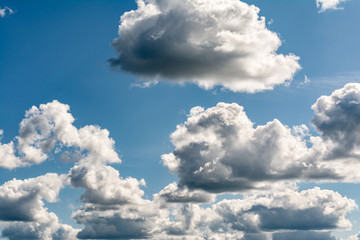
[(329, 4), (5, 11)]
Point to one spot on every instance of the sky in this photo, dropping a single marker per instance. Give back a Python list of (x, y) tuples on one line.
[(182, 119)]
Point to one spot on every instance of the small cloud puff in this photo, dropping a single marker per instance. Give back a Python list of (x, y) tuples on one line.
[(329, 4), (4, 11)]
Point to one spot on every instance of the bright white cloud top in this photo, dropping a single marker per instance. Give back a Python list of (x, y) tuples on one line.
[(324, 5), (216, 150), (210, 43)]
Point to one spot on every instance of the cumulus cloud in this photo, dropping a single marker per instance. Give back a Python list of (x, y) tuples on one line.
[(337, 118), (210, 43), (220, 150), (206, 159), (258, 216), (22, 211), (4, 11), (49, 125), (173, 194), (324, 5)]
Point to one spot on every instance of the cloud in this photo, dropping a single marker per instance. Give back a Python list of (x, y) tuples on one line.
[(173, 194), (300, 235), (220, 150), (114, 207), (119, 222), (209, 43), (329, 4), (354, 237), (258, 216), (4, 11), (51, 125), (22, 211), (337, 118)]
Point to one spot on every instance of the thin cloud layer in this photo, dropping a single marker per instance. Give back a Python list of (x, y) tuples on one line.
[(220, 150), (324, 5), (210, 43)]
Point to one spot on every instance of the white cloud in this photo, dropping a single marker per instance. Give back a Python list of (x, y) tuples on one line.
[(219, 149), (206, 158), (329, 4), (259, 216), (173, 194), (22, 211), (49, 125), (4, 11), (210, 43)]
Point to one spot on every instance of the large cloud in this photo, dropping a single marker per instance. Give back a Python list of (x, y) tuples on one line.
[(257, 216), (337, 118), (22, 211), (51, 125), (329, 4), (116, 208), (219, 149), (210, 43)]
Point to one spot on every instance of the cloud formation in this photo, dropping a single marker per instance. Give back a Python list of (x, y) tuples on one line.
[(264, 216), (220, 150), (216, 150), (50, 126), (22, 211), (4, 11), (210, 43), (324, 5)]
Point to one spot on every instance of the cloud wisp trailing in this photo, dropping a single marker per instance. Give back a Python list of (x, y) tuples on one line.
[(325, 5), (5, 11), (210, 43), (217, 151)]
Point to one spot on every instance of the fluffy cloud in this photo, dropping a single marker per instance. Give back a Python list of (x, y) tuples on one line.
[(220, 150), (51, 125), (337, 118), (210, 43), (259, 216), (217, 150), (173, 194), (22, 211), (4, 11), (328, 4), (129, 221)]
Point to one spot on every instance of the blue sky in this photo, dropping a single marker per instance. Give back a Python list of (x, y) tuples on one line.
[(60, 50)]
